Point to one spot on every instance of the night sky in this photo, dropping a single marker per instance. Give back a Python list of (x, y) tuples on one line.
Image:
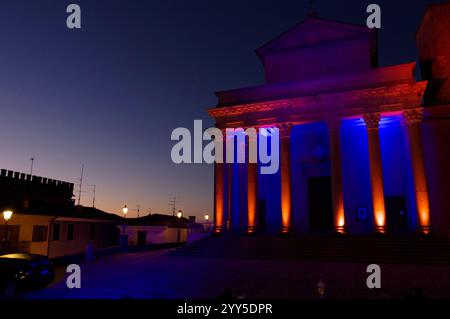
[(110, 94)]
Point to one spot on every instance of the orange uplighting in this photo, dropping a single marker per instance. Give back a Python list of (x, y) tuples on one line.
[(380, 218), (285, 210), (340, 223), (341, 219), (285, 201), (252, 195), (379, 212), (251, 215), (424, 218), (285, 185), (376, 174), (424, 221), (423, 209), (418, 170), (219, 200)]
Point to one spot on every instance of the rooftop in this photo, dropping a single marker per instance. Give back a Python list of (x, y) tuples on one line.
[(73, 212), (157, 220)]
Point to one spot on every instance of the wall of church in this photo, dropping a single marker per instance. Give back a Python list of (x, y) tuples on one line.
[(337, 58), (310, 158), (436, 146), (434, 52)]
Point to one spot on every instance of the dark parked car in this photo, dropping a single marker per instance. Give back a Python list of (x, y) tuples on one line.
[(20, 272)]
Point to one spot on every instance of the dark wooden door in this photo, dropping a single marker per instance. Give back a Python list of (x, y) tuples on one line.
[(320, 204), (397, 217), (9, 238), (262, 216)]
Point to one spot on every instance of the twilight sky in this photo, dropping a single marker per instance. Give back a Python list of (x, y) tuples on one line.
[(110, 94)]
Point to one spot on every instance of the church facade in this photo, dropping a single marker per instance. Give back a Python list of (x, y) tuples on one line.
[(363, 148)]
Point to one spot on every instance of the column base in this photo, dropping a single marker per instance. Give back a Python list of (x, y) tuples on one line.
[(380, 229), (250, 231), (285, 232), (218, 230), (340, 230), (424, 230)]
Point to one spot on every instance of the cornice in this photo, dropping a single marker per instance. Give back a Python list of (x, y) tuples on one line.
[(409, 93)]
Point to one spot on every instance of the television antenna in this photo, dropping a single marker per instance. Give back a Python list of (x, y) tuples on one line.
[(80, 184), (138, 208), (94, 189), (173, 204)]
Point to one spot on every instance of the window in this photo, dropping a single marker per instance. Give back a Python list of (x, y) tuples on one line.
[(40, 233), (70, 229), (92, 231), (56, 231)]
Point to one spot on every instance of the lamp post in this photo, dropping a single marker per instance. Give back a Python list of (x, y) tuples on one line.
[(124, 212), (124, 237), (207, 221), (7, 214), (179, 215)]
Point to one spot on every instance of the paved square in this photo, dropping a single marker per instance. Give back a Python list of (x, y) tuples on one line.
[(154, 274)]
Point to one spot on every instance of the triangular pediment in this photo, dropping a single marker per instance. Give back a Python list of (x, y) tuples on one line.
[(312, 31)]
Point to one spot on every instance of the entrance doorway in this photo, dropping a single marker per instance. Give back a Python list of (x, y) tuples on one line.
[(9, 238), (320, 204), (397, 218)]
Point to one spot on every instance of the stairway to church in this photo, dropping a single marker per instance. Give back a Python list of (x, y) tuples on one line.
[(408, 249)]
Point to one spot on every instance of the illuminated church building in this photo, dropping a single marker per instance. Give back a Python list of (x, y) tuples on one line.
[(363, 148)]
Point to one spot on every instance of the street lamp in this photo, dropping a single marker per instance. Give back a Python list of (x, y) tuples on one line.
[(7, 214), (207, 222), (179, 214), (124, 211)]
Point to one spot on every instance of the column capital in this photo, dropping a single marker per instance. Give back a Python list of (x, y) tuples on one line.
[(372, 120), (412, 117), (284, 129)]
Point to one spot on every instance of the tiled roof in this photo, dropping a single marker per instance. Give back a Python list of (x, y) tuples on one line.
[(74, 212)]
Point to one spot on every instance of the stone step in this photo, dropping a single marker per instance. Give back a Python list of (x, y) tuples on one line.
[(365, 248)]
